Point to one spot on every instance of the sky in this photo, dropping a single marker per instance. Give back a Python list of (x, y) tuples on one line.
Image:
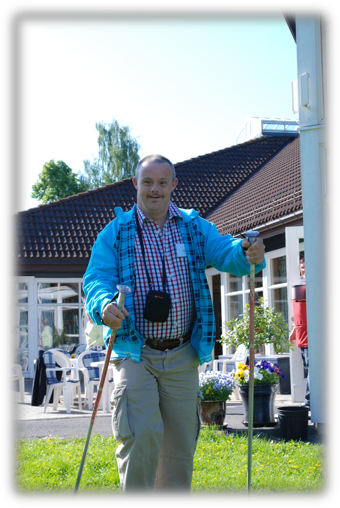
[(183, 84)]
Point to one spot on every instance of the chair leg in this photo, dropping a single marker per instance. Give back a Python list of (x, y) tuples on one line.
[(67, 397), (237, 392), (79, 396), (74, 391), (110, 389), (56, 396), (102, 404), (90, 395), (86, 395), (48, 396), (22, 388)]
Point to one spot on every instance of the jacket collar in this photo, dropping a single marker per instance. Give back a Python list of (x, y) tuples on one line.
[(126, 217)]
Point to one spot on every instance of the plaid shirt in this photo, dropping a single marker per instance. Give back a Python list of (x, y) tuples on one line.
[(159, 244)]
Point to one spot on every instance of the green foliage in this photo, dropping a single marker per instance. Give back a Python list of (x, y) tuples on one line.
[(56, 181), (117, 156), (59, 337), (270, 328), (220, 465)]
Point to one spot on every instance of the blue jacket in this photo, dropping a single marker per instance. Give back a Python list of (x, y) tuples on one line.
[(112, 261)]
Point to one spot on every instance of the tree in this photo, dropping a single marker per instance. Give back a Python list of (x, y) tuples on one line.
[(117, 155), (57, 181)]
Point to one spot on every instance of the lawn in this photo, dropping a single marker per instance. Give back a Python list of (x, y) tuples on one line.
[(220, 465)]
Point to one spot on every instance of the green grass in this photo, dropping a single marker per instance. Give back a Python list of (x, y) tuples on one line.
[(220, 465)]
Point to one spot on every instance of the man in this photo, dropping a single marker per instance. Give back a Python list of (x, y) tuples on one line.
[(155, 246)]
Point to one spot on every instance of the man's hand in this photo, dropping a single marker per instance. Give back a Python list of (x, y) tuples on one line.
[(113, 317), (255, 252)]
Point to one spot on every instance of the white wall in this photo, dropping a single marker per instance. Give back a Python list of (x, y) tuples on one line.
[(314, 196)]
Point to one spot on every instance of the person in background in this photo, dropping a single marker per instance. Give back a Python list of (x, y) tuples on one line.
[(93, 333), (299, 332), (46, 335)]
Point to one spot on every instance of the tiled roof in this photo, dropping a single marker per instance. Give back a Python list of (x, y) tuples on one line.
[(271, 193), (204, 182), (64, 231)]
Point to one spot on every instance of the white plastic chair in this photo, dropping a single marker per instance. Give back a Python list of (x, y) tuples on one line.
[(53, 383), (17, 376), (91, 374), (72, 377), (230, 365)]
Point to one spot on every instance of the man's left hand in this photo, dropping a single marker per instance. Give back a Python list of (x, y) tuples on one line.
[(255, 252)]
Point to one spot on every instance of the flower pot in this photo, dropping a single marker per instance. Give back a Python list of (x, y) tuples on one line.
[(264, 397), (213, 412), (293, 421)]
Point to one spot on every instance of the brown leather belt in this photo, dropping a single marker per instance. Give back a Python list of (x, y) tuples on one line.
[(162, 345)]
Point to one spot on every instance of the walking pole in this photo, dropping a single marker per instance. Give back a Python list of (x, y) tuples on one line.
[(251, 237), (123, 290)]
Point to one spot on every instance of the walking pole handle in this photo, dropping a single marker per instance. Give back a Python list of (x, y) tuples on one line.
[(123, 290), (251, 236)]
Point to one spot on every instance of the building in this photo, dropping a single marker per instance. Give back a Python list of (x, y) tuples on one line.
[(253, 185)]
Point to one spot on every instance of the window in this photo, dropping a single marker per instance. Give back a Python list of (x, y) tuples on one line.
[(60, 306), (237, 295), (278, 286), (21, 325)]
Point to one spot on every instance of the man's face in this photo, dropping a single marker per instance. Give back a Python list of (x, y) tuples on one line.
[(154, 187)]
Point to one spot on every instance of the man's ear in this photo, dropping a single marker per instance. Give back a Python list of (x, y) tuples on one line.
[(174, 184), (134, 181)]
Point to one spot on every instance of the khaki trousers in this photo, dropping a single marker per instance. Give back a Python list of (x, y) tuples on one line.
[(156, 419)]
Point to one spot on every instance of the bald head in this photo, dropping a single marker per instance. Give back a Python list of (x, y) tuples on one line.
[(158, 159)]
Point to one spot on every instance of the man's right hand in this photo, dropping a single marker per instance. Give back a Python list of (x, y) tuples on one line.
[(113, 317)]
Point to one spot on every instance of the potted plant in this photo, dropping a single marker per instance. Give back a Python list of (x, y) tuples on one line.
[(266, 379), (270, 328), (215, 389)]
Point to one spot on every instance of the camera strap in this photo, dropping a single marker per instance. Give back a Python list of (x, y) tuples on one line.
[(143, 253)]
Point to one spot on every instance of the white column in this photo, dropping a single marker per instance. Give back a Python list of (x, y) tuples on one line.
[(313, 195)]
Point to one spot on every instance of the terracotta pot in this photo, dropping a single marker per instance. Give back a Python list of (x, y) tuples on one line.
[(213, 412), (264, 398)]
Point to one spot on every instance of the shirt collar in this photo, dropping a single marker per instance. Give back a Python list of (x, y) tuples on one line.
[(173, 212)]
